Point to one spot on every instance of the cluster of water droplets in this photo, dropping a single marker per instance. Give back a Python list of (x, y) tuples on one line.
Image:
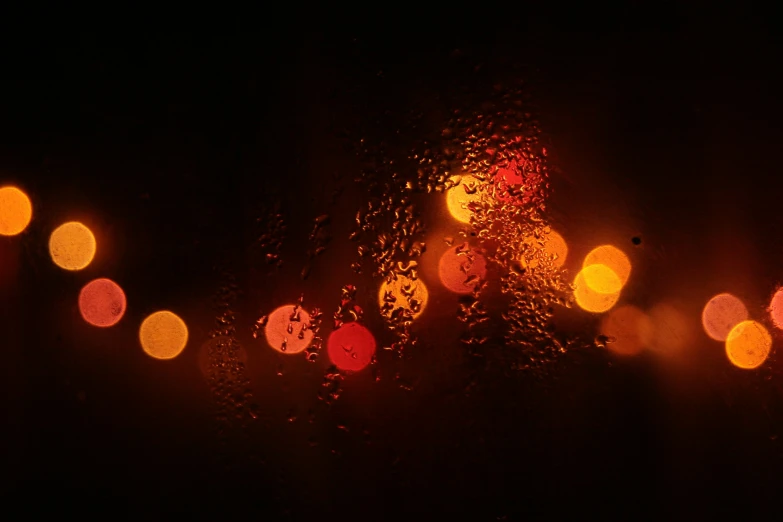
[(269, 237), (318, 240), (508, 221), (226, 373)]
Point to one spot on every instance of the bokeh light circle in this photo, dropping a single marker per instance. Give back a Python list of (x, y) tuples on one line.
[(351, 347), (16, 211), (460, 196), (673, 330), (72, 246), (288, 329), (552, 244), (590, 299), (163, 335), (612, 257), (403, 292), (461, 268), (102, 302), (722, 313), (601, 279), (628, 328), (776, 309), (748, 345)]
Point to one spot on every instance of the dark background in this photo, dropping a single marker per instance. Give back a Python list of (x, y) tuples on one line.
[(171, 135)]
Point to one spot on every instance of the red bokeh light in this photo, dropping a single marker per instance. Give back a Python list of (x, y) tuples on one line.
[(102, 302), (351, 347)]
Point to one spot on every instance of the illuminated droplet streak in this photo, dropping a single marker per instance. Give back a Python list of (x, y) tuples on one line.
[(461, 268), (722, 313), (351, 347), (102, 302), (288, 329), (72, 246), (16, 211), (403, 292), (748, 345), (163, 335)]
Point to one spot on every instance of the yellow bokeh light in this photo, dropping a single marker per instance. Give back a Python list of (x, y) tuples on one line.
[(602, 279), (459, 196), (629, 329), (403, 292), (552, 244), (748, 345), (16, 211), (163, 335), (722, 313), (72, 246), (590, 299), (612, 257)]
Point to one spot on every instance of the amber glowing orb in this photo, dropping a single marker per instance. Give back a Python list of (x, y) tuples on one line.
[(598, 296), (722, 313), (72, 246), (461, 268), (459, 197), (16, 211), (163, 335), (611, 257), (102, 302), (351, 347), (748, 345), (505, 179), (403, 292), (288, 329), (552, 244)]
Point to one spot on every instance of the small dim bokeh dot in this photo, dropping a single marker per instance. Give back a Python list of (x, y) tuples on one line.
[(16, 211), (72, 246), (102, 302), (163, 335), (351, 347)]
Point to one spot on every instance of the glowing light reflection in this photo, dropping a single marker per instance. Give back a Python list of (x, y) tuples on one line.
[(460, 196), (72, 246), (748, 345), (351, 347), (102, 302), (461, 268), (612, 257), (16, 211), (403, 292), (628, 328), (590, 299), (288, 329), (722, 313), (163, 335)]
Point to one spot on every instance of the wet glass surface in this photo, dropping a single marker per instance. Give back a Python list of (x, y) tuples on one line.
[(381, 244)]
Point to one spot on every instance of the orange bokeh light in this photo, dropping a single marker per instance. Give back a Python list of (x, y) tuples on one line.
[(102, 302), (460, 196), (72, 246), (288, 329), (722, 313), (351, 347), (505, 179), (590, 297), (551, 243), (612, 257), (163, 335), (16, 211), (776, 309), (461, 268), (403, 292), (629, 329), (748, 345)]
